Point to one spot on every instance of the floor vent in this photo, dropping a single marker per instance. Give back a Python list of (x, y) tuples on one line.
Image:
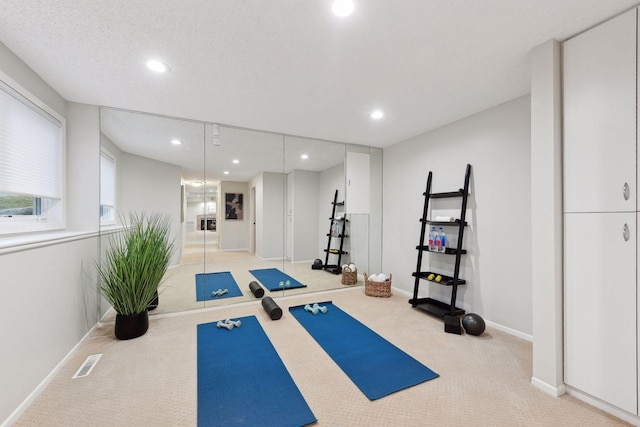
[(87, 366)]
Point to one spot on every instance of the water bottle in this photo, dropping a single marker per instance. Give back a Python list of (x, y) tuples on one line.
[(443, 241), (432, 239), (438, 242)]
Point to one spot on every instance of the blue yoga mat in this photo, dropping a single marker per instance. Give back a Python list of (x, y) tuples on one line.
[(377, 367), (242, 380), (211, 282), (271, 278)]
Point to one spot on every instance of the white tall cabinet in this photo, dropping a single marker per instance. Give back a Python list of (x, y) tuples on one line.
[(600, 212)]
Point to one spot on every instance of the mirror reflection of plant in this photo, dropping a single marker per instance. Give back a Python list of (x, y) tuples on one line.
[(136, 262)]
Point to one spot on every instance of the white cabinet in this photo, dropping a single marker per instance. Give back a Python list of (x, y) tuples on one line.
[(600, 117), (600, 221), (358, 183), (600, 306)]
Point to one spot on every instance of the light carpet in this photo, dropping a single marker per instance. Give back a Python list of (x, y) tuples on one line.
[(151, 380)]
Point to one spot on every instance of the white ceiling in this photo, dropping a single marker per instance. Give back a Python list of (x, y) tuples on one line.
[(292, 66), (149, 136)]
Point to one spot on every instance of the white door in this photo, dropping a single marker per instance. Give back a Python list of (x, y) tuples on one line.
[(600, 306), (600, 118)]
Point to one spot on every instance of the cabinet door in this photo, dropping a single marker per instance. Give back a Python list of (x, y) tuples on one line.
[(600, 117), (600, 306), (358, 183)]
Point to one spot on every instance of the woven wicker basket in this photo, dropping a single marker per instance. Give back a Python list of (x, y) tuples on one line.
[(349, 277), (377, 289)]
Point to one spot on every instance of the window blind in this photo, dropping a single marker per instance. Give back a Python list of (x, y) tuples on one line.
[(107, 180), (30, 148)]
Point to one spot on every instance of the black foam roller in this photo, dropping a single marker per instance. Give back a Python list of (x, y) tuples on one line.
[(256, 289), (271, 308)]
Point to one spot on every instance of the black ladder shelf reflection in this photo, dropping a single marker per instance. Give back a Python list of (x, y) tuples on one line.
[(337, 231), (431, 305)]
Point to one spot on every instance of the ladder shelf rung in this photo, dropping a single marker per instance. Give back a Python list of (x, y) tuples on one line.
[(436, 307), (445, 195), (336, 251), (445, 280), (447, 251)]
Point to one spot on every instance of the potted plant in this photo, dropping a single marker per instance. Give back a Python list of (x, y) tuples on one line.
[(135, 264)]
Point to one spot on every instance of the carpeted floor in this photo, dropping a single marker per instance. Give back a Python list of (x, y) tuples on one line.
[(178, 289), (151, 380)]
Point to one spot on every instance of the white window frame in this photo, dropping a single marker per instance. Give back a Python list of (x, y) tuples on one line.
[(55, 217)]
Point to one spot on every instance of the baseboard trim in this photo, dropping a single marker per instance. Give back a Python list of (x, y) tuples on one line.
[(509, 331), (502, 328), (548, 388), (604, 406), (15, 415)]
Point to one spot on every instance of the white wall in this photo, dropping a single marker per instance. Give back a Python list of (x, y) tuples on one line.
[(269, 214), (234, 234), (48, 299), (146, 185), (496, 143), (546, 218), (20, 72), (272, 214), (83, 159), (304, 186)]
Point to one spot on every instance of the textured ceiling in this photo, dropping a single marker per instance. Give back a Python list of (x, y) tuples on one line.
[(292, 66)]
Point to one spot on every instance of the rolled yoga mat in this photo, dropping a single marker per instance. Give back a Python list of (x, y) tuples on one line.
[(271, 308), (256, 289)]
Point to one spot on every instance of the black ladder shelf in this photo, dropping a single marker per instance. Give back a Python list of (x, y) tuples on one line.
[(337, 231), (431, 305)]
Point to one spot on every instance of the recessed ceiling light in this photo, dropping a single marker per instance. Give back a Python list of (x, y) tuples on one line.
[(226, 172), (176, 142), (196, 183), (235, 161), (304, 156), (157, 66), (377, 114), (342, 8)]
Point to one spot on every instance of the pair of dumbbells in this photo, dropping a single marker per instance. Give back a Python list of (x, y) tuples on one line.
[(315, 309), (285, 284), (229, 324), (219, 292)]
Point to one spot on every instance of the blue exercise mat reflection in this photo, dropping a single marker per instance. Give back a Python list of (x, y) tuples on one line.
[(272, 277), (376, 367), (242, 380), (207, 283)]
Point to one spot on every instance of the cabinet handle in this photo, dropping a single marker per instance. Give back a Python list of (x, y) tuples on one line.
[(625, 232), (625, 191)]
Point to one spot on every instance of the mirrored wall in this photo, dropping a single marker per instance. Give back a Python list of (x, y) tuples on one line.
[(245, 206)]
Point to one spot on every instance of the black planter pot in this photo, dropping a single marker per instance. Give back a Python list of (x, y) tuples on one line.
[(128, 327), (154, 302)]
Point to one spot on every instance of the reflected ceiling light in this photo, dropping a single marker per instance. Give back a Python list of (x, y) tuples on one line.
[(176, 142), (157, 66), (342, 8), (304, 156), (377, 114), (235, 161), (196, 183), (226, 172)]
